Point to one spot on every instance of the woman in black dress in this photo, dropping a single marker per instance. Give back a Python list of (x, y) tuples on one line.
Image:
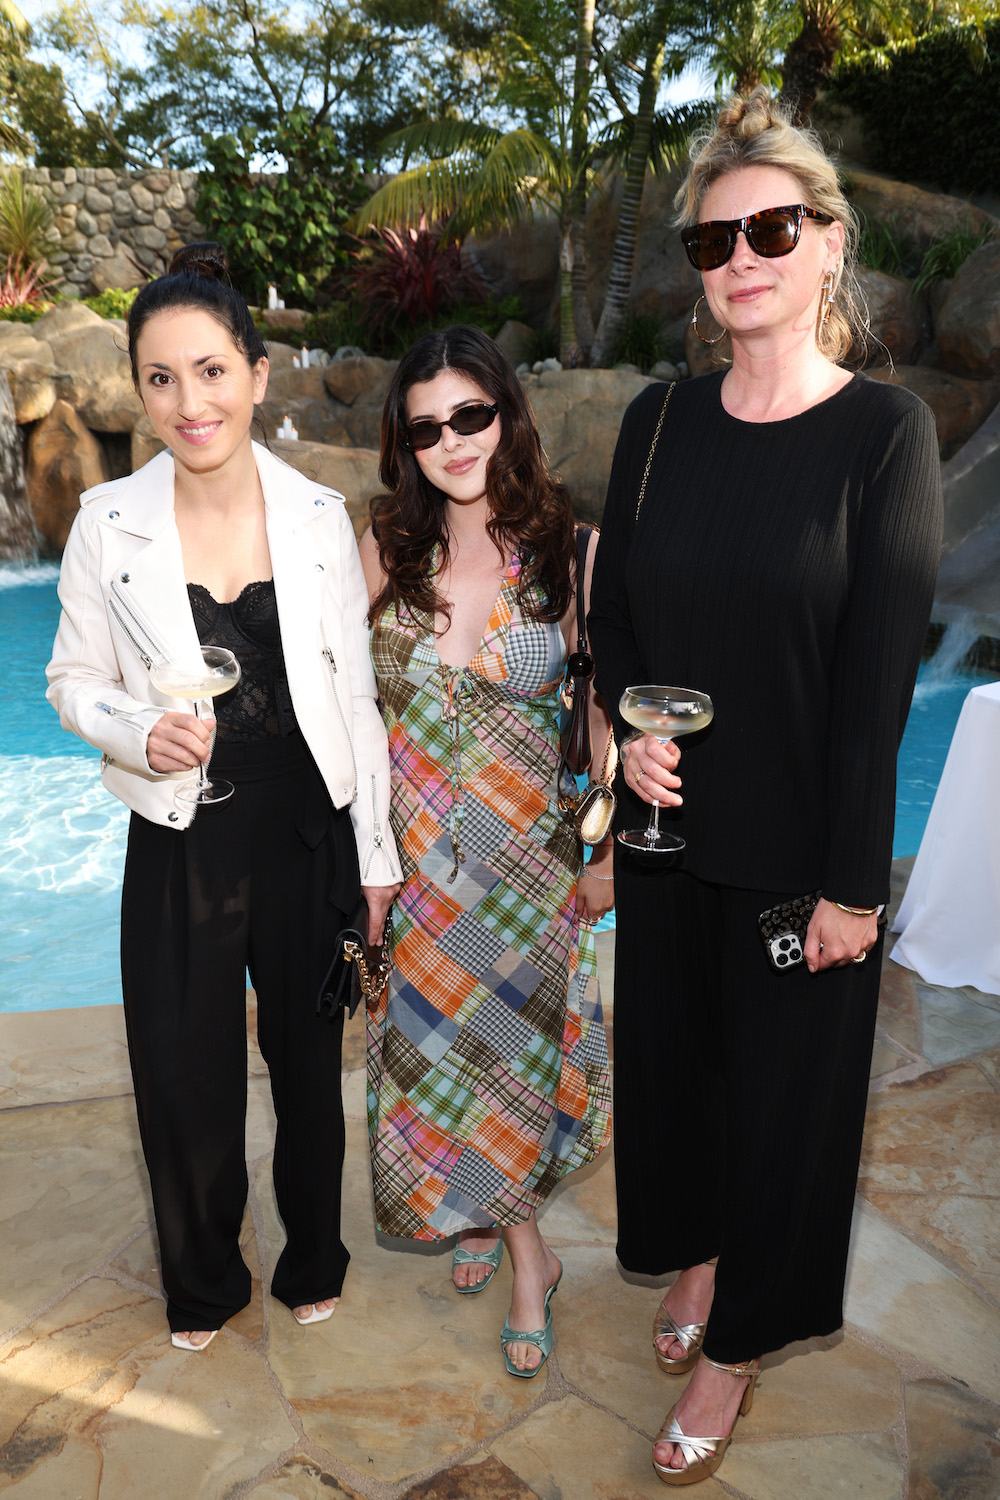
[(783, 561), (216, 541)]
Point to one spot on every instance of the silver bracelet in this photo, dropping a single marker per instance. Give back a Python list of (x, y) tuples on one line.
[(586, 871)]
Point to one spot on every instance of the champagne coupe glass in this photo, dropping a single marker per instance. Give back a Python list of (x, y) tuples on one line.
[(664, 713), (220, 672)]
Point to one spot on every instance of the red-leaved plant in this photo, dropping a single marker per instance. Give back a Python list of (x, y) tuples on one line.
[(409, 276), (26, 284)]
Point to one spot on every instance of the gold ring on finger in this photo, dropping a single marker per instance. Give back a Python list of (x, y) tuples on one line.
[(638, 777)]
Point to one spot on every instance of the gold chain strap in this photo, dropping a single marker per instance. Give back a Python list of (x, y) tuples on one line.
[(652, 448)]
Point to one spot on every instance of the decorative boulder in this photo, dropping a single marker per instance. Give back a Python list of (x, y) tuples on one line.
[(280, 356), (515, 339), (117, 270), (361, 377), (968, 325), (922, 215), (64, 459), (145, 443), (288, 384), (352, 471), (30, 368), (892, 315), (579, 414), (96, 378), (32, 387), (66, 317)]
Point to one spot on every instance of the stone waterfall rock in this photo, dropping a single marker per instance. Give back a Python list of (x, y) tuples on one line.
[(579, 413), (64, 459), (893, 317), (96, 378), (145, 443), (922, 215), (352, 471), (968, 325)]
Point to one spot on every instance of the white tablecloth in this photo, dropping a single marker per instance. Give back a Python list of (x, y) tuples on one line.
[(950, 916)]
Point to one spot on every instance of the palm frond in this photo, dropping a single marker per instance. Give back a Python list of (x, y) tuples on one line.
[(435, 138), (432, 190), (491, 188), (11, 18), (12, 139), (672, 132)]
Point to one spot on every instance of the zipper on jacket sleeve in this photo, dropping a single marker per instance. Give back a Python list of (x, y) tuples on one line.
[(376, 829), (331, 663), (119, 713)]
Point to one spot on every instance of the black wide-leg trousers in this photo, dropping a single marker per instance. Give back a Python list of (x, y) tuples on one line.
[(739, 1106), (260, 882)]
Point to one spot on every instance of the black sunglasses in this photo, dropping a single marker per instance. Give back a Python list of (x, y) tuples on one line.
[(467, 420), (773, 231)]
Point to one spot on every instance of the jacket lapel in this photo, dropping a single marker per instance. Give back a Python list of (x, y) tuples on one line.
[(152, 579)]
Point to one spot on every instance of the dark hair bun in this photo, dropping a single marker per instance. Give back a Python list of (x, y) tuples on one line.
[(205, 258)]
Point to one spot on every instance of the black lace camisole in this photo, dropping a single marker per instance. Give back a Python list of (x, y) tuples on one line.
[(259, 707)]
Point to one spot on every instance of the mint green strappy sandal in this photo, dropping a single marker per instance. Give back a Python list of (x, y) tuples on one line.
[(477, 1257)]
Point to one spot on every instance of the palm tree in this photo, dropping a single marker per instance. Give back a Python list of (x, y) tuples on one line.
[(826, 26), (486, 179)]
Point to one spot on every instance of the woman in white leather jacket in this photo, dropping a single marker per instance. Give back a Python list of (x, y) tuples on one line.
[(216, 541)]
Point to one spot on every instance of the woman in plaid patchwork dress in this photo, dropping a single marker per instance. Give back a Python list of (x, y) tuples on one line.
[(487, 1060)]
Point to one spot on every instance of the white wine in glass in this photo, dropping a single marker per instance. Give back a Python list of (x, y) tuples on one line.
[(221, 672), (665, 713)]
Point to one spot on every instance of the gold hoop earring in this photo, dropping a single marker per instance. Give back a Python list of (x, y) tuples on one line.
[(826, 300), (694, 325)]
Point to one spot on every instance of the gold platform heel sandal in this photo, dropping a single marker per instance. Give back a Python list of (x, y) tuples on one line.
[(690, 1335), (703, 1455)]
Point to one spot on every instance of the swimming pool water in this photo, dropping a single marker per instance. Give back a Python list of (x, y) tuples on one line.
[(62, 837)]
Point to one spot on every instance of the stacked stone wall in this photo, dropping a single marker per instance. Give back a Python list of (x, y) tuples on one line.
[(106, 219)]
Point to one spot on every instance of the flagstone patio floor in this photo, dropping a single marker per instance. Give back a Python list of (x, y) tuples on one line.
[(403, 1395)]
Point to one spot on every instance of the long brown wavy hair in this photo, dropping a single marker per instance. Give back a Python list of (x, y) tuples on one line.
[(529, 509)]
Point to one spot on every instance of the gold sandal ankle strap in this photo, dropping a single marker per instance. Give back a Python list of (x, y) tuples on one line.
[(749, 1367)]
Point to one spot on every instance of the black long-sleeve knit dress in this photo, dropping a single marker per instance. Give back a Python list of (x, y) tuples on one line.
[(787, 569)]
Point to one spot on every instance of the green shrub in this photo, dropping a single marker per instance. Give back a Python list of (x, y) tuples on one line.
[(883, 246), (289, 230), (26, 313), (640, 342), (112, 303), (543, 344), (26, 230), (943, 258), (334, 326), (930, 106), (347, 322)]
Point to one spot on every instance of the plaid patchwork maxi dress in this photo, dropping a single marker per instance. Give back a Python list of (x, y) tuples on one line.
[(487, 1061)]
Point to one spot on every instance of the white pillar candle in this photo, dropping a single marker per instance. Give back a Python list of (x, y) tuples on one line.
[(305, 357), (272, 296), (295, 362)]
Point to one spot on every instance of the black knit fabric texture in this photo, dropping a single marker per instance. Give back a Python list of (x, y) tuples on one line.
[(787, 569)]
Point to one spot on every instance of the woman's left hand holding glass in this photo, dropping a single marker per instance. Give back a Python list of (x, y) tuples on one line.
[(837, 937)]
